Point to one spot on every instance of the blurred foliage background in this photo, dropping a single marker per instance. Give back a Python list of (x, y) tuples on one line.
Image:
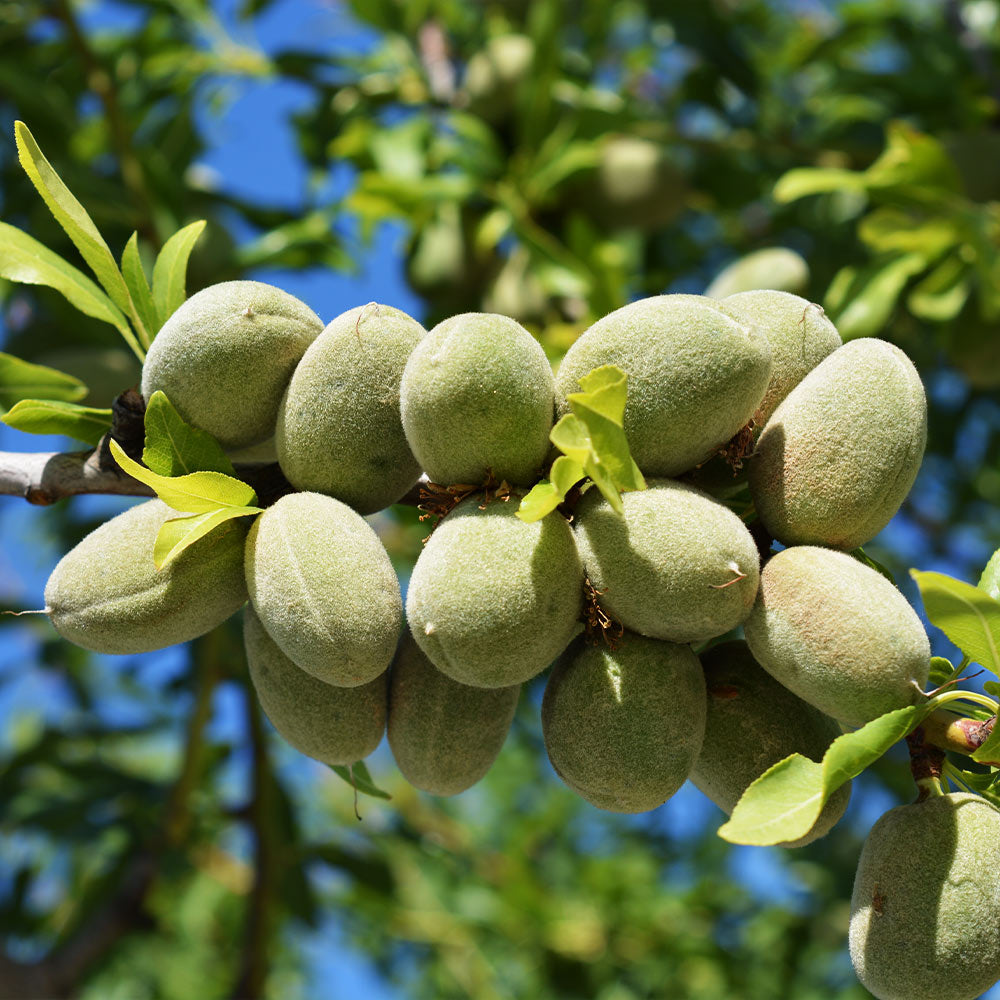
[(546, 159)]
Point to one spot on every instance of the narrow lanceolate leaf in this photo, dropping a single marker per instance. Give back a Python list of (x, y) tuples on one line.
[(989, 582), (195, 493), (53, 416), (170, 270), (357, 777), (785, 801), (23, 380), (178, 533), (28, 262), (874, 564), (138, 287), (545, 497), (72, 216), (970, 617), (175, 448)]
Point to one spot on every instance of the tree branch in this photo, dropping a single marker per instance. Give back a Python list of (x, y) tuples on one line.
[(45, 477)]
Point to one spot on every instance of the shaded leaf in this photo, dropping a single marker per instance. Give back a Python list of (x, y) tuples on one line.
[(785, 801), (51, 416), (173, 447), (357, 777), (803, 181), (25, 260), (24, 380), (970, 617), (863, 557), (170, 270), (194, 493)]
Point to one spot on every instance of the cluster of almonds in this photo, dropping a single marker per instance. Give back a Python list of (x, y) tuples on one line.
[(753, 390)]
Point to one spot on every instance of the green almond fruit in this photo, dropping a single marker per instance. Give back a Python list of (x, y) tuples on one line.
[(678, 565), (225, 356), (752, 723), (107, 595), (841, 451), (322, 585), (838, 634), (925, 913), (478, 398), (800, 335), (444, 735), (339, 428), (336, 725), (623, 727), (493, 601), (695, 376)]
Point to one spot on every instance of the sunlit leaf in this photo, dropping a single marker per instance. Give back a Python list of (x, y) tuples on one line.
[(138, 286), (970, 617), (194, 493), (990, 580), (784, 803), (170, 270), (176, 534), (545, 497), (52, 416), (25, 260)]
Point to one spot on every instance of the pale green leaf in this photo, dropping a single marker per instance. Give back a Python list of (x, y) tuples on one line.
[(174, 448), (170, 270), (72, 216), (178, 533), (784, 803), (970, 617), (195, 493), (570, 436), (53, 416), (138, 286), (28, 262), (545, 497), (24, 380), (990, 580)]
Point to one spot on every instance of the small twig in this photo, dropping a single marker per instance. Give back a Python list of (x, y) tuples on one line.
[(926, 764)]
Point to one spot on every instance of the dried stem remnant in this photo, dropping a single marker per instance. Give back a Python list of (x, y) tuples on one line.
[(598, 625), (437, 500)]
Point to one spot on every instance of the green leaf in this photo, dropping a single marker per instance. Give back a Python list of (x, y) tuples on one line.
[(893, 229), (170, 270), (174, 448), (970, 617), (990, 750), (138, 287), (785, 801), (195, 493), (861, 301), (940, 296), (874, 564), (942, 670), (359, 779), (73, 217), (803, 181), (178, 533), (990, 580), (50, 416), (544, 497), (28, 262), (24, 380), (593, 436)]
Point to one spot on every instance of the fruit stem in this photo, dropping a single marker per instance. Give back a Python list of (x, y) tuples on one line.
[(977, 699), (957, 733), (926, 764)]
